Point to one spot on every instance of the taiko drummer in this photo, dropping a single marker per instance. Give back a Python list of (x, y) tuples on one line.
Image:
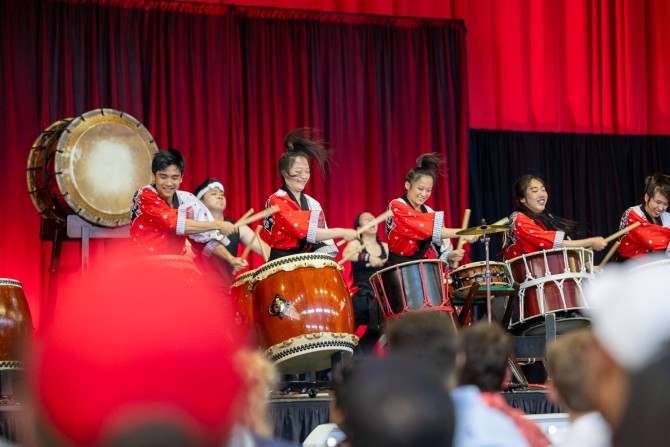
[(300, 224), (161, 215), (414, 227), (534, 229)]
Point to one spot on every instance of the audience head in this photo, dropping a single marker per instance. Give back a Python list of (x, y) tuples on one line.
[(430, 335), (486, 349), (140, 354), (396, 401), (566, 359), (629, 307)]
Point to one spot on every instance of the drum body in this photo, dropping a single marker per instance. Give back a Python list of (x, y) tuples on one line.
[(17, 324), (551, 281), (90, 166), (302, 312), (241, 294), (411, 287), (465, 276)]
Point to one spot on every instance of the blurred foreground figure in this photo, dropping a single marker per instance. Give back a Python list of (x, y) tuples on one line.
[(139, 356)]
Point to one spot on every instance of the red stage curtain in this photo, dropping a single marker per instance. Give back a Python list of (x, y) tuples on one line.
[(224, 85), (553, 66)]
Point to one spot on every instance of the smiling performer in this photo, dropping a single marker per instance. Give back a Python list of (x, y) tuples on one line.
[(653, 234), (533, 228), (161, 216), (300, 224), (414, 225)]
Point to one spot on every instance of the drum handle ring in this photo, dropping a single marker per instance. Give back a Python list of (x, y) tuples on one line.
[(278, 307)]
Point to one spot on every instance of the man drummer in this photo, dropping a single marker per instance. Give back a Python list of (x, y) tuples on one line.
[(211, 193), (653, 235), (162, 216)]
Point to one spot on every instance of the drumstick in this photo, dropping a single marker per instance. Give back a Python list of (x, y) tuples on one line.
[(353, 254), (372, 223), (464, 225), (609, 239), (247, 214), (255, 217), (503, 221), (247, 249), (609, 254)]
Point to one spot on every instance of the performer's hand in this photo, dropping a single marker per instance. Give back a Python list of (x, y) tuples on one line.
[(237, 264), (471, 239), (349, 234), (597, 243), (226, 228), (456, 255)]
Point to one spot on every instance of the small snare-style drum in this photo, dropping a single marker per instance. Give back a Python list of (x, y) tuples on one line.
[(241, 293), (17, 324), (465, 276), (90, 166), (551, 281), (411, 287), (303, 312)]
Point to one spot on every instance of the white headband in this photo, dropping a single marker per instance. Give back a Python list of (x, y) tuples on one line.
[(208, 187)]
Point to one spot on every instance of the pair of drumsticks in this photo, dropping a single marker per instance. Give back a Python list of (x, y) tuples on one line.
[(247, 218), (377, 220)]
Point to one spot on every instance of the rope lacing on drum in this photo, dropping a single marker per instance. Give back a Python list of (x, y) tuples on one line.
[(312, 346)]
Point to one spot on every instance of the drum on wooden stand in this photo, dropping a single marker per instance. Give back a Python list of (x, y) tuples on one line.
[(551, 281), (302, 312), (475, 273), (91, 166), (411, 287)]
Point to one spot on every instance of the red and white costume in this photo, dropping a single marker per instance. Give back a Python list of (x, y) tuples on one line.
[(156, 228), (648, 237), (529, 236), (292, 229), (410, 232)]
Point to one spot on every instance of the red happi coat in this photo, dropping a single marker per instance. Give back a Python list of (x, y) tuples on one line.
[(410, 232), (527, 236), (646, 238)]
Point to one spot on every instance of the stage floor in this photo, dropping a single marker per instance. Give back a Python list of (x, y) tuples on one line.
[(295, 416)]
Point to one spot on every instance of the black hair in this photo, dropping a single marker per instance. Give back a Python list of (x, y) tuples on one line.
[(426, 164), (548, 220), (657, 182), (204, 184), (486, 349), (300, 143), (357, 223), (165, 158)]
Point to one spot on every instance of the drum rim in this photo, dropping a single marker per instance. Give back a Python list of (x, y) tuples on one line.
[(72, 129), (418, 261), (267, 269), (10, 282), (540, 252), (478, 263), (243, 278)]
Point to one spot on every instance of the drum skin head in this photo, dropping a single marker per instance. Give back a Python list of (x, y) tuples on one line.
[(101, 158)]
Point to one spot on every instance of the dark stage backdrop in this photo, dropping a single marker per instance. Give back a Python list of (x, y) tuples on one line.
[(224, 85), (590, 178)]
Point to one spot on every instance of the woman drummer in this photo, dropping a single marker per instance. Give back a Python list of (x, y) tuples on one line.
[(370, 259), (300, 225), (414, 226), (534, 229)]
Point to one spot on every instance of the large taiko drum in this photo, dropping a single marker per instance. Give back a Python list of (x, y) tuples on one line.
[(475, 273), (90, 166), (411, 287), (551, 281), (17, 324), (241, 294), (303, 312)]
